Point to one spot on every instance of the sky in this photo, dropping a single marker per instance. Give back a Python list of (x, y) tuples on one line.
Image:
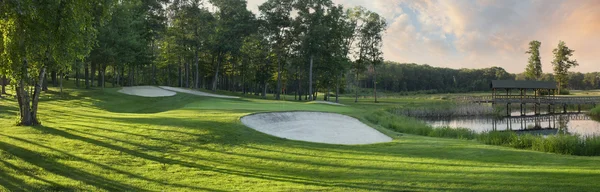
[(484, 33)]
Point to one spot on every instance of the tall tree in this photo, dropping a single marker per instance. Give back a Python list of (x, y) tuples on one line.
[(277, 21), (370, 35), (534, 66), (562, 63), (38, 35), (233, 24)]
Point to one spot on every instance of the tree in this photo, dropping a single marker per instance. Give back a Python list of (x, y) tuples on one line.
[(42, 34), (233, 25), (534, 67), (370, 35), (562, 63), (277, 21)]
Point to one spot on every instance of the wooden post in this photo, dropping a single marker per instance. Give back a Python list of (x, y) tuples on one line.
[(508, 109), (564, 108)]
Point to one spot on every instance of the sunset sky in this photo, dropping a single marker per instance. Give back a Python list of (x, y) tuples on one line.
[(485, 33)]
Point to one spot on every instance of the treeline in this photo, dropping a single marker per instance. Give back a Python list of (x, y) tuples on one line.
[(410, 77), (291, 46), (401, 77)]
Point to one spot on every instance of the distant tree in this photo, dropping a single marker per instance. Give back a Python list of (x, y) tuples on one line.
[(534, 67), (562, 63)]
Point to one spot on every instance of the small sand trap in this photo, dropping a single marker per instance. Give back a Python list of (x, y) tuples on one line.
[(329, 103), (315, 127), (146, 91), (199, 93)]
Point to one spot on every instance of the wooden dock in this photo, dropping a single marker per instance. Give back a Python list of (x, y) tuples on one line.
[(518, 99)]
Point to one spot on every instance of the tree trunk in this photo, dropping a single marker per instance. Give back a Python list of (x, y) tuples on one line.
[(356, 88), (103, 71), (86, 75), (197, 79), (3, 81), (180, 74), (278, 91), (77, 77), (53, 75), (310, 88), (214, 88), (61, 82), (264, 92), (45, 86), (92, 74), (337, 88), (131, 73), (375, 84), (326, 97), (36, 97)]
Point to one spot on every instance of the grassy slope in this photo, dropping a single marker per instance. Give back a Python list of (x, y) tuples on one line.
[(107, 141)]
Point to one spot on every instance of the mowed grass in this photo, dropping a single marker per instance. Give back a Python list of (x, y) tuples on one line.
[(101, 140)]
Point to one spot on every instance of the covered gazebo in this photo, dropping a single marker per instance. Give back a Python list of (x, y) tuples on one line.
[(512, 91)]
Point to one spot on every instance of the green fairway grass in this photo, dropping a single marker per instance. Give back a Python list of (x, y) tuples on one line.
[(102, 140)]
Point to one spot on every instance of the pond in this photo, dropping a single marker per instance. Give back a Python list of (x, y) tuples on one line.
[(545, 124)]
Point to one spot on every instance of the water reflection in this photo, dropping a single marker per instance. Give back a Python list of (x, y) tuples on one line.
[(570, 123)]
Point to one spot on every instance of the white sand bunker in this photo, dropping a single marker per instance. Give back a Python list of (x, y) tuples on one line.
[(315, 127), (329, 103), (200, 93), (146, 91)]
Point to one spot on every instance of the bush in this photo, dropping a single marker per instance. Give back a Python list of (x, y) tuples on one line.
[(595, 111)]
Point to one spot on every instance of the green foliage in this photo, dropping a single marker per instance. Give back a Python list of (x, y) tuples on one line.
[(595, 111), (562, 63), (534, 66), (560, 144)]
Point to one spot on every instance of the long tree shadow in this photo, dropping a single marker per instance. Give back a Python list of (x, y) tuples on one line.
[(104, 167), (65, 170), (192, 164)]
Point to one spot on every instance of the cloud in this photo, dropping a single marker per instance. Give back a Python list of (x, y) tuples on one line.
[(484, 33)]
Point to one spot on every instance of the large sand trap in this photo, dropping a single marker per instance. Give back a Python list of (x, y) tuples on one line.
[(200, 93), (315, 127), (146, 91)]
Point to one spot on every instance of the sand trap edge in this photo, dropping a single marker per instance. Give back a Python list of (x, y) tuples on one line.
[(386, 137)]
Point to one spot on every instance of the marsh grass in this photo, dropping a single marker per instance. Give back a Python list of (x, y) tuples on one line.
[(560, 143), (448, 110), (412, 126)]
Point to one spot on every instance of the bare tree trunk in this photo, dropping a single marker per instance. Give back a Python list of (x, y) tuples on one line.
[(61, 82), (92, 74), (215, 82), (278, 91), (310, 88), (77, 76), (356, 88), (375, 83), (264, 92), (87, 75), (103, 71), (3, 81), (337, 90), (36, 97), (197, 79)]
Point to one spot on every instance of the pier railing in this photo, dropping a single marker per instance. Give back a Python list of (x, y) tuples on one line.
[(529, 99)]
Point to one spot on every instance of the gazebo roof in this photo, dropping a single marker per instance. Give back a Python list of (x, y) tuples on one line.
[(512, 84)]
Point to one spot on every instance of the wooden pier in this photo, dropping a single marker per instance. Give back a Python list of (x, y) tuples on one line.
[(541, 93)]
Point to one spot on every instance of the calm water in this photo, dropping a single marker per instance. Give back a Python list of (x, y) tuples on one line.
[(572, 123)]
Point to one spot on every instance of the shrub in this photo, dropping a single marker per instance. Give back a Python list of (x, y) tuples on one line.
[(595, 111)]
